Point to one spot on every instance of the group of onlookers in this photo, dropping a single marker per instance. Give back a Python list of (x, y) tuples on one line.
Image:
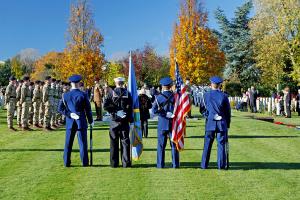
[(281, 103)]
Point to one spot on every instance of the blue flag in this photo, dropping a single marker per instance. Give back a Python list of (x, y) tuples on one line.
[(136, 133)]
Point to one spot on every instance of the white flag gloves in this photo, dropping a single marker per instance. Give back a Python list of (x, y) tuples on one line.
[(121, 114), (170, 115), (74, 116)]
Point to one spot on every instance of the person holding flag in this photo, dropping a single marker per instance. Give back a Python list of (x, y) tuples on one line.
[(163, 106), (119, 105), (135, 127)]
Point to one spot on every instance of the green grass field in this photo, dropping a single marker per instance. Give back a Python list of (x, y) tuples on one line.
[(265, 164)]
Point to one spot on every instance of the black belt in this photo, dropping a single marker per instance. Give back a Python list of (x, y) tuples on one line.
[(13, 97)]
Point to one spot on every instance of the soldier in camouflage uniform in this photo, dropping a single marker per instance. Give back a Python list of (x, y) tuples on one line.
[(65, 88), (10, 100), (19, 105), (48, 102), (59, 91), (31, 88), (42, 106), (25, 100), (54, 105), (36, 101)]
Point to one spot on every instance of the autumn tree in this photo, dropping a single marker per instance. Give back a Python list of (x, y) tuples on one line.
[(28, 57), (274, 30), (83, 54), (196, 47), (113, 70), (149, 66), (16, 67), (49, 65)]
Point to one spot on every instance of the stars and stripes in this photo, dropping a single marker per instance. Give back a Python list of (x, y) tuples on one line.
[(181, 108)]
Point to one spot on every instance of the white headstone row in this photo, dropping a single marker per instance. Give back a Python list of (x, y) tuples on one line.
[(265, 104)]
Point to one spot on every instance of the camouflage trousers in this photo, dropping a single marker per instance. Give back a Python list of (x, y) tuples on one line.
[(42, 113), (19, 114), (54, 116), (48, 115), (31, 109), (36, 112), (11, 107), (25, 113)]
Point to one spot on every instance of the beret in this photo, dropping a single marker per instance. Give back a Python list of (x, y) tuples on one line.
[(26, 78), (12, 78)]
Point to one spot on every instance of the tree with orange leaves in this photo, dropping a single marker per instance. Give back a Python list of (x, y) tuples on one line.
[(48, 65), (83, 54), (194, 45)]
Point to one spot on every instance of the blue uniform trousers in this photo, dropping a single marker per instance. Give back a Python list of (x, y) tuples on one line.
[(208, 141), (82, 140), (162, 137)]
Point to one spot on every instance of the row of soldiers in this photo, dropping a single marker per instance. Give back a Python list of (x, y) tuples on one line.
[(34, 103)]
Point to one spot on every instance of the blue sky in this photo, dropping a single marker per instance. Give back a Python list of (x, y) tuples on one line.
[(125, 24)]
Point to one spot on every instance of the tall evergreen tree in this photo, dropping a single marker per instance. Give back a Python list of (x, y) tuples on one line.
[(236, 43)]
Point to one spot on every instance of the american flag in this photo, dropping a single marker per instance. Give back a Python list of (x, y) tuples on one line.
[(181, 109)]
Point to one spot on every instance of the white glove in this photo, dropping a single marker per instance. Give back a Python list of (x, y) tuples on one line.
[(74, 116), (121, 114), (93, 124), (217, 117), (170, 115)]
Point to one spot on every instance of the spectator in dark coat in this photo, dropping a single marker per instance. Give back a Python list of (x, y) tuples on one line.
[(253, 97), (145, 105), (298, 102), (287, 98)]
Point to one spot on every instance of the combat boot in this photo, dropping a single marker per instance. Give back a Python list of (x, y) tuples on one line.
[(12, 129), (37, 126), (48, 129), (26, 129)]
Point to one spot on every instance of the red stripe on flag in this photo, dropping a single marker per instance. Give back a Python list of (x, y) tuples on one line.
[(181, 109)]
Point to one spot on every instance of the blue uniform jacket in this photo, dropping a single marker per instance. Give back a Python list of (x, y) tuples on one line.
[(158, 107), (77, 102), (216, 102)]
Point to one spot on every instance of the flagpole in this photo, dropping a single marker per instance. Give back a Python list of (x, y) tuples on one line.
[(130, 124)]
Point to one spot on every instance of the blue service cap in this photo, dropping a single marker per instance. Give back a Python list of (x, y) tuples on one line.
[(216, 80), (166, 81), (75, 78)]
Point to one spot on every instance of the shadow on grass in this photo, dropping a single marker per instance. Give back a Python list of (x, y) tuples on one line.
[(249, 136), (213, 165), (247, 165), (47, 150), (77, 150)]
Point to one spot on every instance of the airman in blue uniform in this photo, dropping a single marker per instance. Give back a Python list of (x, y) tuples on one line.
[(164, 107), (76, 107), (216, 109)]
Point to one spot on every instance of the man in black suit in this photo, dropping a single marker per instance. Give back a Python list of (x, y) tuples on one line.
[(253, 98), (298, 102)]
